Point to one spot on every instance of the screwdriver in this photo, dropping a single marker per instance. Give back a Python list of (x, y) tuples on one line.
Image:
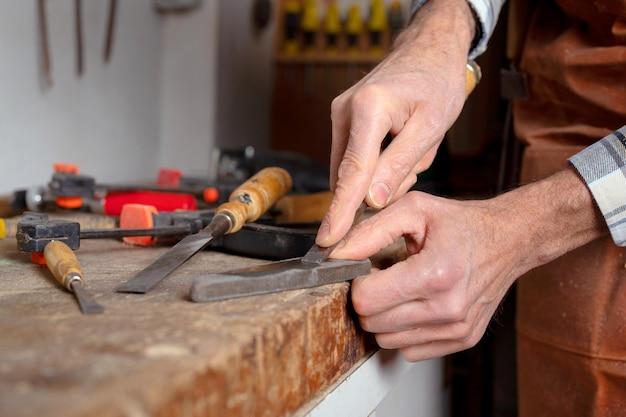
[(65, 268)]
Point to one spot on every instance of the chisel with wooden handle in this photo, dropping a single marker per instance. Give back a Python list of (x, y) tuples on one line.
[(246, 204), (65, 268)]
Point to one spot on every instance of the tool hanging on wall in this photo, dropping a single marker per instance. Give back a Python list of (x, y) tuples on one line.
[(66, 269), (354, 27), (310, 23), (78, 22), (110, 31), (396, 19), (332, 25), (44, 45), (246, 204), (377, 25), (292, 14)]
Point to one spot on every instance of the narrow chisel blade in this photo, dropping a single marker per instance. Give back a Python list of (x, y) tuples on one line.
[(86, 302), (148, 278)]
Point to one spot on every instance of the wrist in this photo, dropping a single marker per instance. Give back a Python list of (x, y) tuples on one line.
[(449, 23), (549, 218)]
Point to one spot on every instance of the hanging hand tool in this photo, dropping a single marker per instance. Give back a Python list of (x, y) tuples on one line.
[(332, 25), (246, 204), (44, 45), (313, 269), (78, 21), (65, 268), (110, 29), (377, 25), (354, 27)]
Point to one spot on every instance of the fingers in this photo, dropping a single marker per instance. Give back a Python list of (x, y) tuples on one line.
[(382, 229), (369, 124), (340, 118), (407, 316), (401, 157), (424, 334), (459, 338)]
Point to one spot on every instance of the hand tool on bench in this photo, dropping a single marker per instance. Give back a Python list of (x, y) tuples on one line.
[(65, 268), (35, 231), (246, 204), (313, 269)]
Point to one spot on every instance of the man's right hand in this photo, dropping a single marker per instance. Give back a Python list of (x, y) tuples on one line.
[(415, 94)]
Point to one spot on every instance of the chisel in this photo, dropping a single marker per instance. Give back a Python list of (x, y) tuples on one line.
[(246, 204), (65, 268)]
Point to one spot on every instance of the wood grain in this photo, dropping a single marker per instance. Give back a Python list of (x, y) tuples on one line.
[(159, 354)]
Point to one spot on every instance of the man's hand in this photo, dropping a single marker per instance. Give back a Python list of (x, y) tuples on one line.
[(415, 94), (464, 255)]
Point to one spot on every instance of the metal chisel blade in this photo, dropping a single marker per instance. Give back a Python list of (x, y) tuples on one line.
[(86, 302), (148, 278)]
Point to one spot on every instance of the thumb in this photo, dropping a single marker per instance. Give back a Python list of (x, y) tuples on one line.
[(381, 230)]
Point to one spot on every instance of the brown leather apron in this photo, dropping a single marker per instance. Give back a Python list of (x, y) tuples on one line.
[(571, 319)]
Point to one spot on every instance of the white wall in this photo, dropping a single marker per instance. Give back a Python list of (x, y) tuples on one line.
[(188, 89), (245, 77), (106, 121)]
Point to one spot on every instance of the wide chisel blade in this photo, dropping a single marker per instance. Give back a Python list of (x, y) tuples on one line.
[(148, 278)]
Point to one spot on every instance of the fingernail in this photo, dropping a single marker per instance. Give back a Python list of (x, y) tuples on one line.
[(323, 233), (380, 194)]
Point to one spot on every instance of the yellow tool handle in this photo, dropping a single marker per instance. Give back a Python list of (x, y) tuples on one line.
[(63, 263), (254, 197), (305, 208)]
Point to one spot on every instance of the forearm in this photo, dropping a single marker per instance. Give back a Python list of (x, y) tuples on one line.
[(549, 218)]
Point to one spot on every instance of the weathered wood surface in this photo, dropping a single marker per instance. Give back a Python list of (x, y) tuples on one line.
[(159, 354)]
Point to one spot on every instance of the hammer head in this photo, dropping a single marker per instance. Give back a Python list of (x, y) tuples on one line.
[(285, 275), (36, 230)]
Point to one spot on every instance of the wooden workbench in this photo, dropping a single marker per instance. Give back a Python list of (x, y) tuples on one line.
[(159, 354)]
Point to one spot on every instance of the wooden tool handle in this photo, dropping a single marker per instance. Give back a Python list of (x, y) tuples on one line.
[(63, 263), (305, 208), (255, 196)]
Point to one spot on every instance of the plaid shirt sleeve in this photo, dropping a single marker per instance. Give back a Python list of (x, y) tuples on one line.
[(486, 13), (603, 168)]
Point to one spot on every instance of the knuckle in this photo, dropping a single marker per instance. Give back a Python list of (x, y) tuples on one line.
[(365, 322), (384, 341), (461, 331), (440, 279), (351, 164), (367, 95), (360, 302), (472, 340), (409, 354), (336, 107), (455, 309), (401, 163)]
